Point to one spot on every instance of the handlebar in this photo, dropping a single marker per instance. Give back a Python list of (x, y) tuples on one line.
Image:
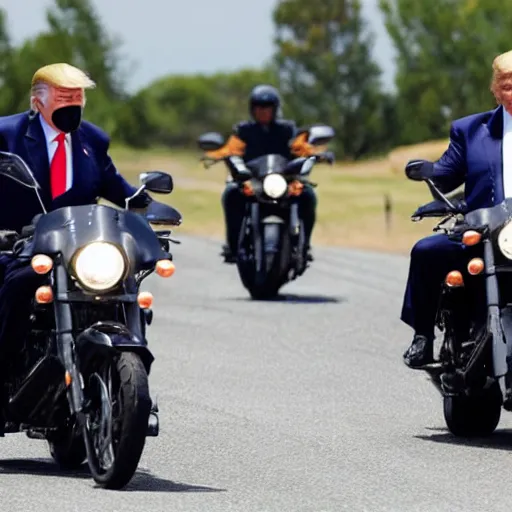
[(208, 162), (325, 156)]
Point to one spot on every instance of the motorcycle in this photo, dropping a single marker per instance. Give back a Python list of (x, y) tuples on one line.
[(474, 312), (80, 379), (271, 247)]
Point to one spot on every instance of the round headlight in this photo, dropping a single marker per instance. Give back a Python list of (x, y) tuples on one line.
[(505, 240), (274, 185), (99, 266)]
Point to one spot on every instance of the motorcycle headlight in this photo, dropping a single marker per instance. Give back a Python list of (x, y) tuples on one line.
[(505, 241), (99, 266), (274, 185)]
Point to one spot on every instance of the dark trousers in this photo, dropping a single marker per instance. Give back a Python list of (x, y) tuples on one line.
[(431, 260), (233, 203), (17, 290)]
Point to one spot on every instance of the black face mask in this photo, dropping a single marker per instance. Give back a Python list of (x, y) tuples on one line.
[(67, 119)]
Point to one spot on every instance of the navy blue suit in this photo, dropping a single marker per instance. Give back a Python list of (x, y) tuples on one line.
[(473, 158), (94, 176)]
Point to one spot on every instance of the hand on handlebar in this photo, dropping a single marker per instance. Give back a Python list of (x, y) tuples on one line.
[(208, 161), (326, 156), (7, 239)]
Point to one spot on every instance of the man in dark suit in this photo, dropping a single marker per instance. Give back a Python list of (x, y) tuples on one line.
[(480, 157), (69, 158)]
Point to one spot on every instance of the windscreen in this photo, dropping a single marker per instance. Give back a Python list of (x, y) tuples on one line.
[(67, 229), (266, 164)]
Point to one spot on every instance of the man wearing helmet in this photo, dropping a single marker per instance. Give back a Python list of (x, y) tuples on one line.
[(265, 134)]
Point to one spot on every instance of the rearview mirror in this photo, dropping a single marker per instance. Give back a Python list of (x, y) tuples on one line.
[(157, 181), (211, 141), (162, 214), (14, 167), (320, 135), (419, 170)]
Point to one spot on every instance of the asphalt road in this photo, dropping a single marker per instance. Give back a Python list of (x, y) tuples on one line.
[(291, 406)]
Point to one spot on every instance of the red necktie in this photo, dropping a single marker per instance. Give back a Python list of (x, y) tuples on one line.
[(58, 167)]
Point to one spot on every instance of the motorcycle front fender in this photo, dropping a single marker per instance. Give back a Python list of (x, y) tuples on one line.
[(108, 338)]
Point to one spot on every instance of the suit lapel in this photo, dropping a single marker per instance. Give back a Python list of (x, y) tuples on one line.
[(493, 145), (80, 157), (37, 157)]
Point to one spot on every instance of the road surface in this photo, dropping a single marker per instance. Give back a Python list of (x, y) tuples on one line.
[(298, 405)]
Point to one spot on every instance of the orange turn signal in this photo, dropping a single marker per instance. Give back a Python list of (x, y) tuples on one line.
[(165, 268), (295, 188), (44, 295), (454, 279), (247, 188), (471, 237), (145, 300), (41, 264), (476, 266), (67, 379)]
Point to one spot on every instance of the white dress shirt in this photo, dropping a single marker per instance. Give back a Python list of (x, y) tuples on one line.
[(52, 144), (507, 154)]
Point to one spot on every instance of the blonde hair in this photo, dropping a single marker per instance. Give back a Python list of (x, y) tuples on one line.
[(57, 75), (501, 71), (63, 75), (41, 91)]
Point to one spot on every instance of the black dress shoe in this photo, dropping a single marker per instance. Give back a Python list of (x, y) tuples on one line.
[(420, 353), (229, 257), (507, 400)]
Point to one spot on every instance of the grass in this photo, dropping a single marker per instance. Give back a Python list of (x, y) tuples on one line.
[(351, 196)]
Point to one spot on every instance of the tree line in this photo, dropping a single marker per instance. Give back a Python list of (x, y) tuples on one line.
[(322, 64)]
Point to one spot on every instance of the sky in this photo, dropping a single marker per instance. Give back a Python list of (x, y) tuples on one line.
[(162, 37)]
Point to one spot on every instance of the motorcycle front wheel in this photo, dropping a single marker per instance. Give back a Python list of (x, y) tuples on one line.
[(117, 421)]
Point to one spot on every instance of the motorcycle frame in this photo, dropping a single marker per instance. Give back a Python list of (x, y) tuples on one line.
[(269, 240), (493, 336)]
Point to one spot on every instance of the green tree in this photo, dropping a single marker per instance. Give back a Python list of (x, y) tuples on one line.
[(7, 82), (74, 35), (327, 74), (78, 28), (175, 110), (76, 22), (444, 59)]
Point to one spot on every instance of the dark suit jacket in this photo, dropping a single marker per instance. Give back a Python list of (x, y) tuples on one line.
[(474, 158), (94, 174)]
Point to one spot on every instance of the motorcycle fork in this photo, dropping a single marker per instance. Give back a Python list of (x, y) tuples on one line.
[(65, 343), (294, 221), (256, 235), (500, 359), (453, 321), (297, 237)]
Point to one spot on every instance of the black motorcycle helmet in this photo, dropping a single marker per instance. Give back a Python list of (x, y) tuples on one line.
[(264, 96)]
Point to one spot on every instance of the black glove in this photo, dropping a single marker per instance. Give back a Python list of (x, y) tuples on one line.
[(327, 156), (208, 161), (7, 239), (140, 203)]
